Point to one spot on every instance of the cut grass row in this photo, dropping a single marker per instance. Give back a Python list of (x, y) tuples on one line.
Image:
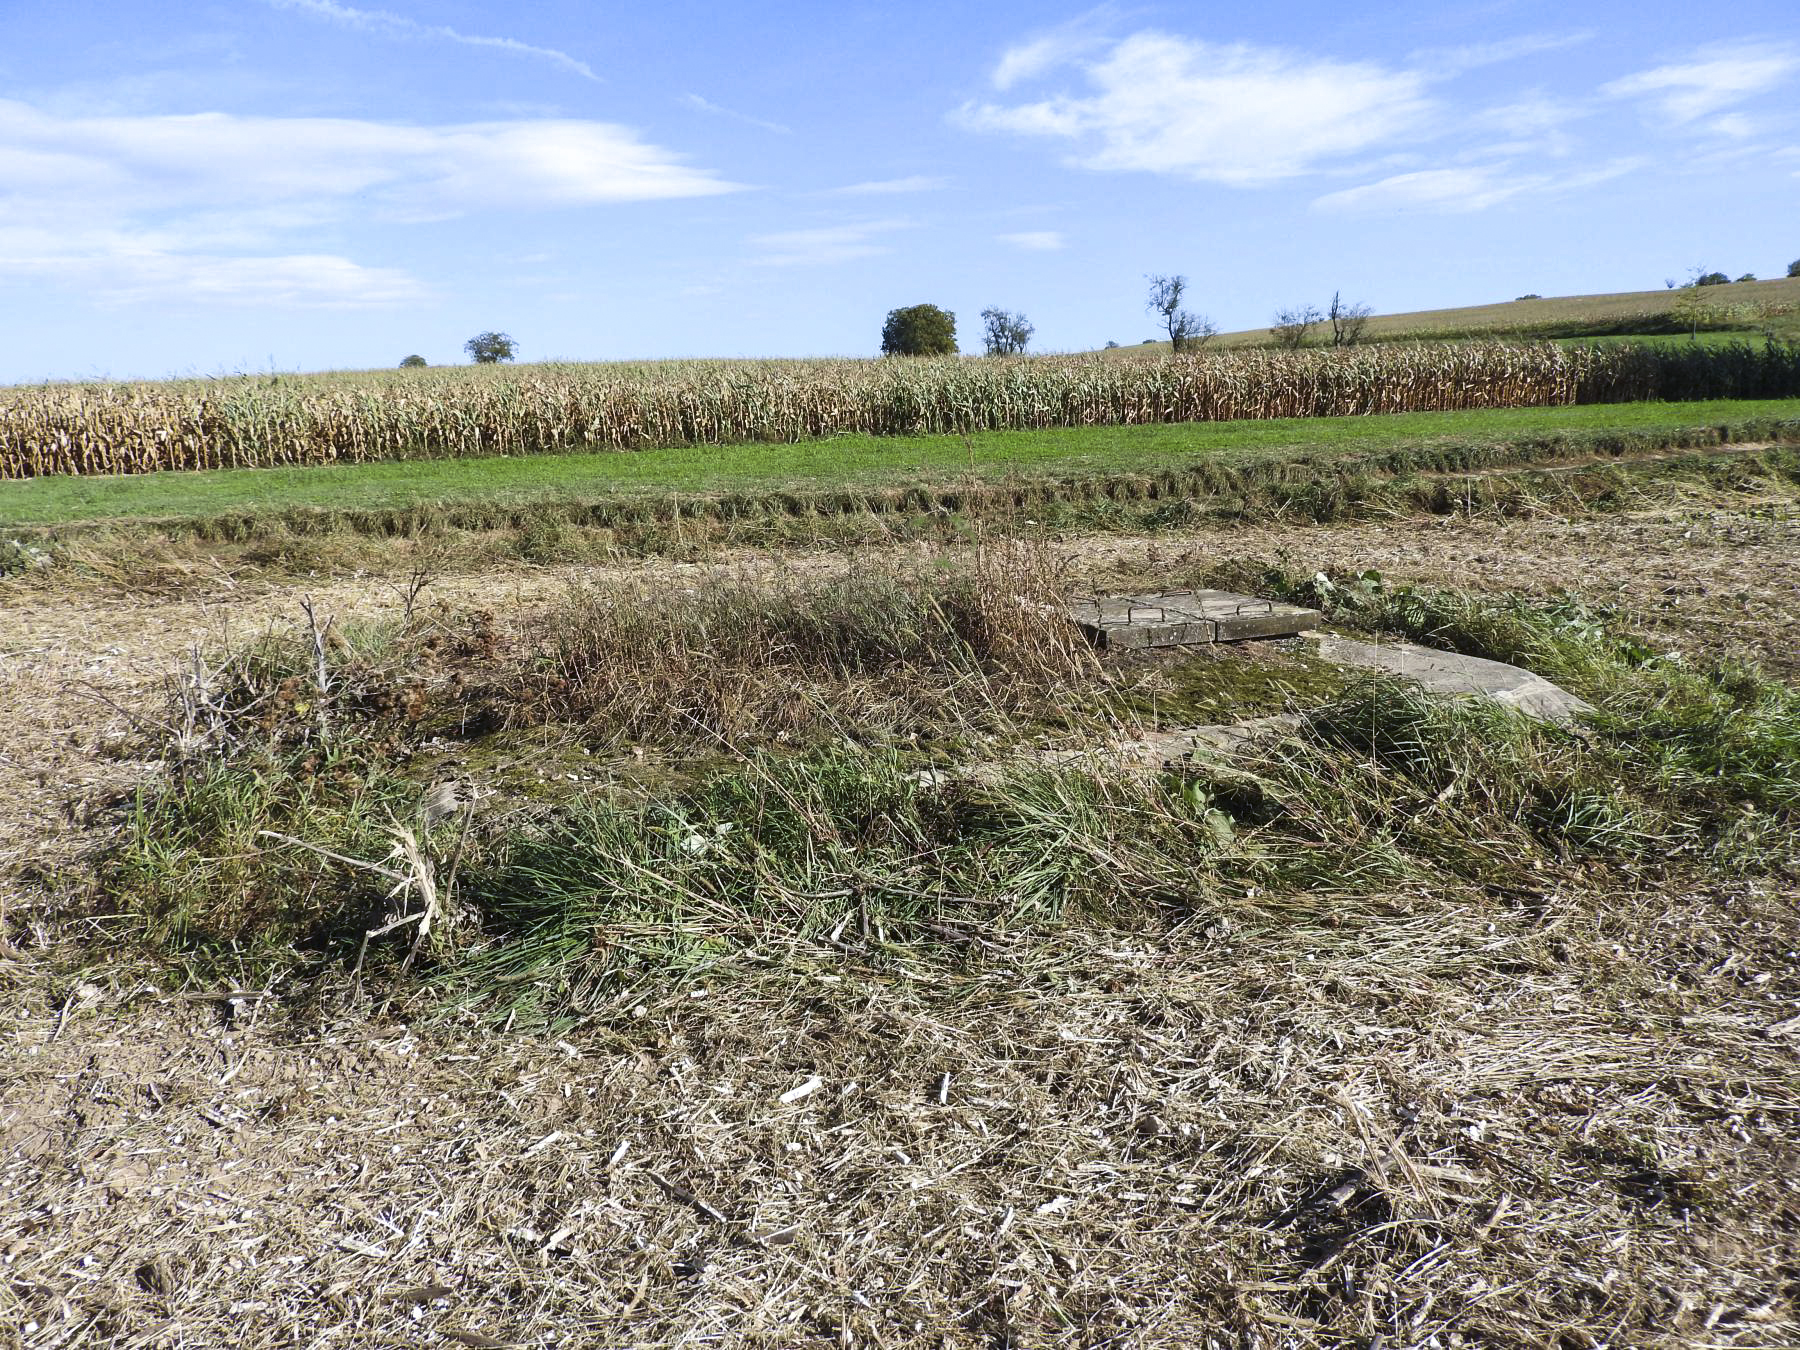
[(473, 492)]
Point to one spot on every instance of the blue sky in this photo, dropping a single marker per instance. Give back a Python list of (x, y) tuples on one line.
[(311, 184)]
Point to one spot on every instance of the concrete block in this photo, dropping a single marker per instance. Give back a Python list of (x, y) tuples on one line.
[(1185, 618)]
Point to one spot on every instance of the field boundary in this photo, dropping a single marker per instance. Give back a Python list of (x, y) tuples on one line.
[(1496, 480)]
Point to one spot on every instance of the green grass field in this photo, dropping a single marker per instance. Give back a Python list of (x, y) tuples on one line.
[(861, 462)]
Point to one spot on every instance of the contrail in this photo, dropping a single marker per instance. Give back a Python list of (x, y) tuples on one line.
[(396, 25)]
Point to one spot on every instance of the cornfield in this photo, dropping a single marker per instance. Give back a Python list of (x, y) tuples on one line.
[(262, 421)]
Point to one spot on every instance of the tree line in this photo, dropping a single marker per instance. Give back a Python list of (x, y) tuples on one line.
[(930, 330)]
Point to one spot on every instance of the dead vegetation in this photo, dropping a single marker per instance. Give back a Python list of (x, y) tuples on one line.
[(758, 657), (1546, 1118), (1421, 1026)]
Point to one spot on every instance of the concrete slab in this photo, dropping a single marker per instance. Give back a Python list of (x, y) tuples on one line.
[(1185, 618), (1450, 673)]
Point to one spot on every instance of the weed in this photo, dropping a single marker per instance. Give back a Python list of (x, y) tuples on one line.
[(200, 879)]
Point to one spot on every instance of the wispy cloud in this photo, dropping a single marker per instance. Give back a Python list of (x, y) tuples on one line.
[(221, 159), (1037, 241), (881, 187), (825, 244), (1235, 114), (1464, 188), (173, 201), (1446, 61), (397, 25), (1532, 125), (1052, 48), (705, 105), (1717, 77), (125, 267)]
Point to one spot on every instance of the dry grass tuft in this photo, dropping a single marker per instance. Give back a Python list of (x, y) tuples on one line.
[(771, 657)]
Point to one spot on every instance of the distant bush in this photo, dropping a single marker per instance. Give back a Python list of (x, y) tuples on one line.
[(1529, 295), (919, 330), (1748, 276), (1292, 325), (1794, 268), (489, 349), (412, 362), (1712, 279)]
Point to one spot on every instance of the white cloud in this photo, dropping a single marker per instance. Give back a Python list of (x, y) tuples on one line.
[(1049, 50), (1041, 241), (1533, 118), (1234, 114), (395, 25), (119, 267), (825, 244), (1735, 125), (918, 182), (1720, 75), (220, 159), (130, 207), (1446, 61), (706, 105), (1462, 189)]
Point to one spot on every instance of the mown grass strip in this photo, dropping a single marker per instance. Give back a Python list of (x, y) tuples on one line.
[(487, 491)]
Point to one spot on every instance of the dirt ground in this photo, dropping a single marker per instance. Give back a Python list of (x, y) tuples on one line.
[(1564, 1118)]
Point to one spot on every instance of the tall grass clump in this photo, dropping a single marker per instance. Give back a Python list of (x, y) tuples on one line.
[(782, 850), (1383, 787), (347, 418), (197, 873), (760, 656)]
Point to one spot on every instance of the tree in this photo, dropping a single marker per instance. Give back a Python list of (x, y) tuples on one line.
[(1347, 321), (1185, 328), (1292, 325), (1794, 268), (1712, 279), (1691, 308), (919, 330), (412, 362), (488, 349), (1006, 333)]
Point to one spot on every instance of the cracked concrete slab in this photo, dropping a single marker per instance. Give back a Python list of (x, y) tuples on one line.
[(1453, 673)]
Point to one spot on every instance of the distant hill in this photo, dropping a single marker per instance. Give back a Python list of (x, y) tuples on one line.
[(1748, 307)]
